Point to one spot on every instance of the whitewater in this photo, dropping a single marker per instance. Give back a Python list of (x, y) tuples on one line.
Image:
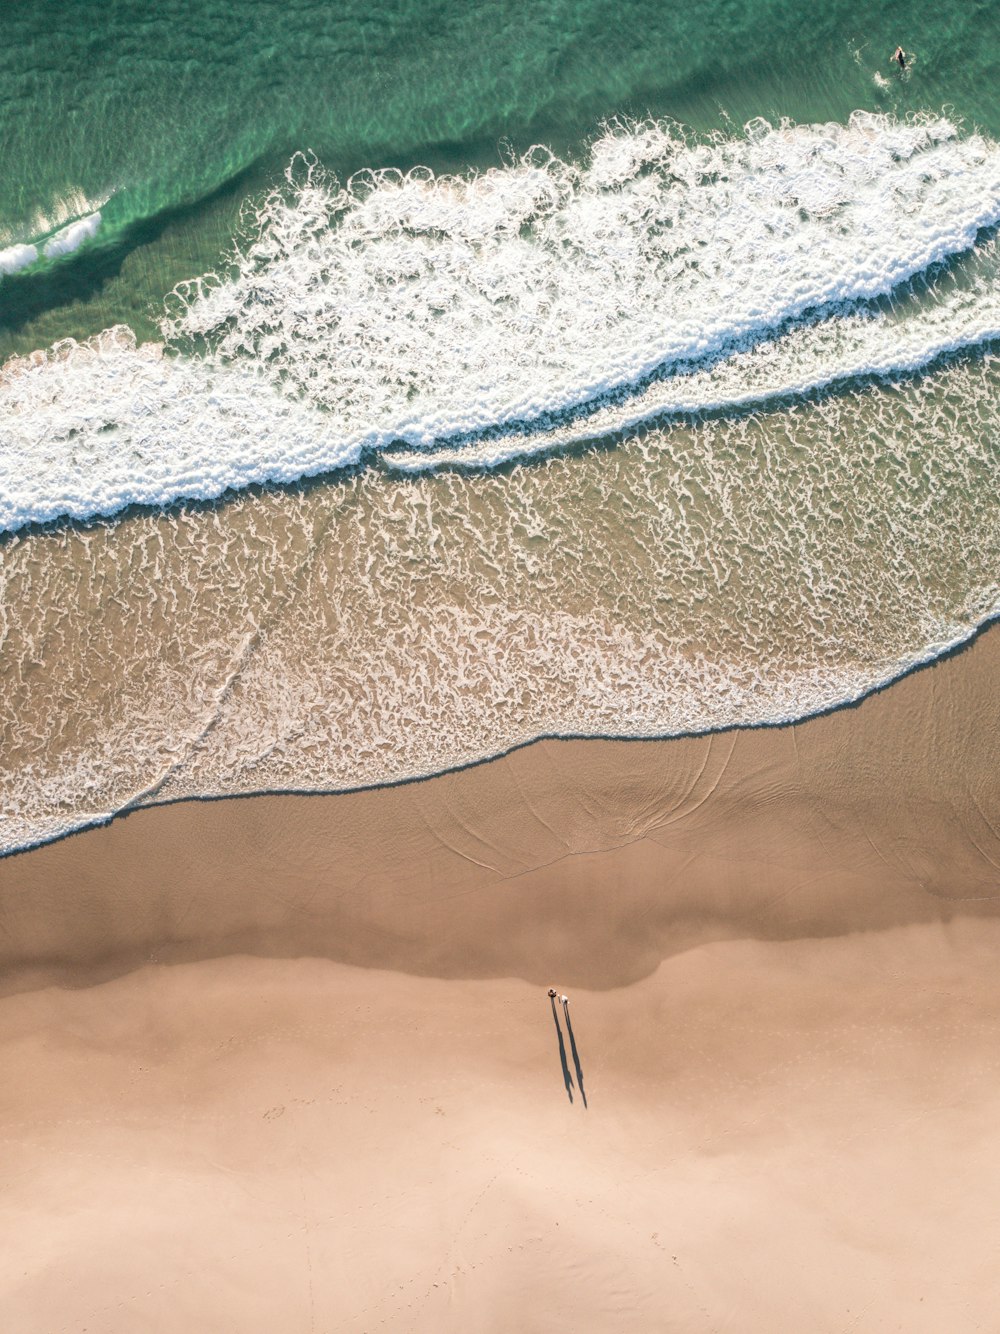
[(428, 321), (754, 384)]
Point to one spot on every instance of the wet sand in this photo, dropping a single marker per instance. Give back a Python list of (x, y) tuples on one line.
[(288, 1063)]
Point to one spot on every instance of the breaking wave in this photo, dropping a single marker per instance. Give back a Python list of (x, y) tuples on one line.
[(435, 320), (71, 222)]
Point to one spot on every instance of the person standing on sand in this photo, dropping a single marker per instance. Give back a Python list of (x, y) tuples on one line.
[(565, 1001), (552, 993), (899, 56)]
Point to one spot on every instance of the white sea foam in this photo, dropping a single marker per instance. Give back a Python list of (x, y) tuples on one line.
[(17, 257), (806, 358), (72, 204), (420, 308), (103, 425), (727, 571), (713, 571), (71, 237), (443, 318), (55, 231)]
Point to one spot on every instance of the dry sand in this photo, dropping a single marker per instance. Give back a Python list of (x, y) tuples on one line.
[(287, 1064)]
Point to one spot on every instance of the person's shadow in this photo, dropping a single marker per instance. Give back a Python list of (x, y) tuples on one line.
[(576, 1054), (567, 1077)]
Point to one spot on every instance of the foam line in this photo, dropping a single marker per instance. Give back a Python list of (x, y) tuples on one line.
[(144, 429), (16, 257), (70, 238), (518, 310), (813, 357)]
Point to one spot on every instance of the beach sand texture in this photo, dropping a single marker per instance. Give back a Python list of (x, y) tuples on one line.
[(383, 388), (288, 1063)]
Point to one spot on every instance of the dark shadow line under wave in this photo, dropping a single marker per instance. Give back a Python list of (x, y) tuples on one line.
[(82, 274), (854, 702), (604, 443)]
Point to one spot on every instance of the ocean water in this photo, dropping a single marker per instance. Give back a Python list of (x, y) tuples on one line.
[(382, 391)]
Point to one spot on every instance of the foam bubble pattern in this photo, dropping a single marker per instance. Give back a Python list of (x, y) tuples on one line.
[(917, 330), (477, 318), (92, 428), (724, 571)]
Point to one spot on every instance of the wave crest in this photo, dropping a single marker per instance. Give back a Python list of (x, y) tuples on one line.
[(467, 319)]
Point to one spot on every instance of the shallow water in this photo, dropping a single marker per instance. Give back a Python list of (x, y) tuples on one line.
[(361, 631), (653, 430)]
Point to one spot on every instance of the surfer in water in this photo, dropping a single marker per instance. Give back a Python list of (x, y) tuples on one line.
[(899, 56)]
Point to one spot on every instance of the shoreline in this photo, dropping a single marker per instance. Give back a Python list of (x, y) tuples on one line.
[(933, 658), (851, 790), (289, 1063)]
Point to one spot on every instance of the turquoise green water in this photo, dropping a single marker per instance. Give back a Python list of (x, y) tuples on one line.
[(406, 442), (173, 112)]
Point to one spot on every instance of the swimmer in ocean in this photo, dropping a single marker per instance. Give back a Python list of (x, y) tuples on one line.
[(899, 56)]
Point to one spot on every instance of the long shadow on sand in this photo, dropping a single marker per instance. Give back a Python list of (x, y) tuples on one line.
[(567, 1077), (576, 1055)]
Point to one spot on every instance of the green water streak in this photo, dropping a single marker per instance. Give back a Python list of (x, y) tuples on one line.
[(177, 110)]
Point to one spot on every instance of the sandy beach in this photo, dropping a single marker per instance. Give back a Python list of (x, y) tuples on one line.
[(479, 390), (288, 1063)]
